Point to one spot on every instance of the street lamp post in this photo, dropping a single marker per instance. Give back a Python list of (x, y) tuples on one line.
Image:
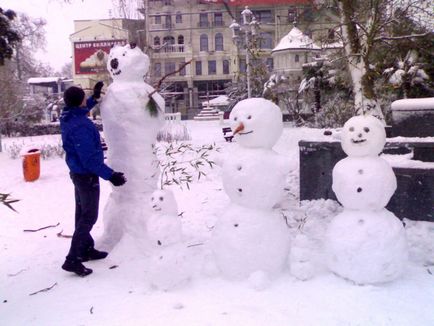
[(250, 29)]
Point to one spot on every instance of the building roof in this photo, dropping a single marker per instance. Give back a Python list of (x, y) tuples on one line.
[(296, 40), (221, 100), (44, 80)]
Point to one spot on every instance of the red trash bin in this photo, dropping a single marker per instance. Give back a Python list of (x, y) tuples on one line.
[(32, 165)]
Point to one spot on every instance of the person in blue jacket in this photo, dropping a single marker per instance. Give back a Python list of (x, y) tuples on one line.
[(85, 160)]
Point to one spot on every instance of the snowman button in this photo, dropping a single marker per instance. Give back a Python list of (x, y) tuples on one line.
[(240, 190), (239, 167), (360, 171), (359, 189), (236, 225)]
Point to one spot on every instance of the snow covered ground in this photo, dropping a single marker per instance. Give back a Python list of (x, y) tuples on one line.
[(114, 295)]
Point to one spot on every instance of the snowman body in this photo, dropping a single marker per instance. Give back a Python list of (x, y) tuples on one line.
[(247, 240), (130, 131), (365, 243), (250, 237)]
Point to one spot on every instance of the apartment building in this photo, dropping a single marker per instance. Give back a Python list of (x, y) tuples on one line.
[(197, 31)]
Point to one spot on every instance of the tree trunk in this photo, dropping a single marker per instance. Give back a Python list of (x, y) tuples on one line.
[(357, 50)]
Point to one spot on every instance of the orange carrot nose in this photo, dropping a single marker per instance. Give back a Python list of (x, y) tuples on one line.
[(239, 128)]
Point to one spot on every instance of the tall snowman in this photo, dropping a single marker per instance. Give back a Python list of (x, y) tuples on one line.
[(250, 239), (132, 115), (365, 243)]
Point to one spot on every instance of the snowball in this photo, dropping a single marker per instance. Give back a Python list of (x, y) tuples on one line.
[(301, 263), (366, 247), (259, 122), (365, 183), (245, 241), (255, 177), (363, 136), (259, 281), (170, 267), (420, 235)]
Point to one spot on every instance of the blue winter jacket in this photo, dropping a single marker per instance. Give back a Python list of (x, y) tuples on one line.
[(81, 142)]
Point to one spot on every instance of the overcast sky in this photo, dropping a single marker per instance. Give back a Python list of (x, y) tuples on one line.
[(59, 16)]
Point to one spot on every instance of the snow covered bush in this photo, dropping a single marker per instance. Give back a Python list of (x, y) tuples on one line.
[(47, 150), (173, 132)]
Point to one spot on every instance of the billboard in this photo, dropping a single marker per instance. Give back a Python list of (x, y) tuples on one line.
[(91, 57)]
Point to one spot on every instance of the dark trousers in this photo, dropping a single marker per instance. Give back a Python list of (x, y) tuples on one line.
[(86, 187)]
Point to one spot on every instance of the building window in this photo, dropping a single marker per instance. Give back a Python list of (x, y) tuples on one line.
[(168, 23), (212, 67), (204, 42), (292, 15), (331, 34), (226, 67), (203, 20), (170, 40), (178, 18), (182, 71), (297, 58), (181, 39), (169, 67), (218, 19), (157, 69), (219, 42), (263, 16), (198, 68), (243, 66), (156, 40), (270, 64), (157, 20), (266, 41)]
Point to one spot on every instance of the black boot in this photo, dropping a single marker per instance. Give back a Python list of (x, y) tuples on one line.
[(76, 267), (93, 254)]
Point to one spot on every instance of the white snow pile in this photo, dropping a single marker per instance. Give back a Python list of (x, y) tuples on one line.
[(187, 280)]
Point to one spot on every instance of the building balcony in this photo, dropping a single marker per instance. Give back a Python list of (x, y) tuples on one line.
[(204, 24), (172, 48)]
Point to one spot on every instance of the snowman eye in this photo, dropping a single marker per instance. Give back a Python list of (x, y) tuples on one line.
[(161, 198), (235, 119), (366, 129), (152, 198), (249, 117), (351, 129)]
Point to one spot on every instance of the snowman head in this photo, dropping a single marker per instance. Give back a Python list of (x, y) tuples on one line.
[(256, 123), (363, 136), (127, 63), (164, 202)]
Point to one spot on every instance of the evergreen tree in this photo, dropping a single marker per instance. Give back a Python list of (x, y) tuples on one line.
[(9, 38)]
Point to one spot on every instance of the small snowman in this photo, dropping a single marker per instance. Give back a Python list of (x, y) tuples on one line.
[(164, 226), (365, 243), (132, 115), (250, 239), (170, 263)]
